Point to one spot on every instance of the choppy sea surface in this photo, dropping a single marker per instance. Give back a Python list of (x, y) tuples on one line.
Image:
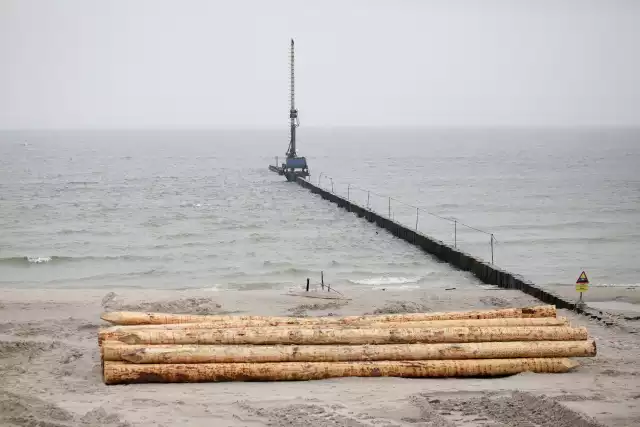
[(199, 209)]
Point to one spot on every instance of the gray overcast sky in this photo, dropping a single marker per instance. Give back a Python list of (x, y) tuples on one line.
[(159, 63)]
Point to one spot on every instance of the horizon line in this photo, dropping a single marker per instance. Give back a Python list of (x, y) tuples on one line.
[(330, 127)]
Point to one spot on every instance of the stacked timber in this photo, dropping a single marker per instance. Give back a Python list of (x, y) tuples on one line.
[(159, 347)]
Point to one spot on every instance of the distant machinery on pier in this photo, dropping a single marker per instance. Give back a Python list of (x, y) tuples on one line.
[(294, 166)]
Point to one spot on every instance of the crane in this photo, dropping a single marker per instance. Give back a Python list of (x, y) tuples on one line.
[(294, 166)]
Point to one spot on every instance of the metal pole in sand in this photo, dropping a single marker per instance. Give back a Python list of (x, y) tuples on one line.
[(491, 248)]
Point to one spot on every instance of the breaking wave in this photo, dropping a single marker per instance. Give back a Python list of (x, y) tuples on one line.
[(30, 260), (375, 281), (617, 285), (26, 260)]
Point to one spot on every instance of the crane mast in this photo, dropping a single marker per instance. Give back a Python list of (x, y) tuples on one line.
[(293, 113), (294, 166)]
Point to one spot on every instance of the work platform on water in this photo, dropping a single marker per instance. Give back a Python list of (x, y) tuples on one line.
[(294, 166)]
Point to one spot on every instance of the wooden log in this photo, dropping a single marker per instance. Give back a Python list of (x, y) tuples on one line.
[(115, 332), (115, 351), (507, 321), (139, 318), (280, 335), (125, 373)]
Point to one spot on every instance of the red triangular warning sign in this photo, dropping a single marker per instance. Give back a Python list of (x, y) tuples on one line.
[(582, 278)]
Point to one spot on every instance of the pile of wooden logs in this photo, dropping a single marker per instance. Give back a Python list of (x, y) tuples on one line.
[(158, 347)]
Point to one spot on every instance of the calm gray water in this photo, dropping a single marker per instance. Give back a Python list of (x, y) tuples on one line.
[(180, 209)]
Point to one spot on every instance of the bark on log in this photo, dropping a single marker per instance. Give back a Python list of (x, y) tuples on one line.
[(124, 373), (140, 318), (280, 335), (171, 354)]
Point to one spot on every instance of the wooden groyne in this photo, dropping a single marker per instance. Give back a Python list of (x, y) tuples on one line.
[(486, 272)]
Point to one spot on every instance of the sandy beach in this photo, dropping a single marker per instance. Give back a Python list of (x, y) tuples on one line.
[(50, 369)]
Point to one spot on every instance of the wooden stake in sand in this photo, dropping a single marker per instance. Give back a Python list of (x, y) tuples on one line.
[(282, 335), (123, 373), (138, 318), (172, 354)]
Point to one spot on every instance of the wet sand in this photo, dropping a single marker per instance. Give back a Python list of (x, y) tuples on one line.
[(50, 369)]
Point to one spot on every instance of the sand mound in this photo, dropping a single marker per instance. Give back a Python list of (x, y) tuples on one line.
[(395, 307), (18, 410), (311, 414), (301, 310), (100, 417), (16, 354), (511, 410), (495, 301), (111, 302), (55, 329)]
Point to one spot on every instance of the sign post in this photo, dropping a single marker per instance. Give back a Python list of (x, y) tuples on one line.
[(582, 284)]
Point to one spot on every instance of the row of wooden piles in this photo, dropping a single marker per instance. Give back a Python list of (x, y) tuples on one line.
[(157, 347)]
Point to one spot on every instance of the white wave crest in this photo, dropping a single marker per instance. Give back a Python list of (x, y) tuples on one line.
[(377, 281), (616, 285), (38, 260)]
